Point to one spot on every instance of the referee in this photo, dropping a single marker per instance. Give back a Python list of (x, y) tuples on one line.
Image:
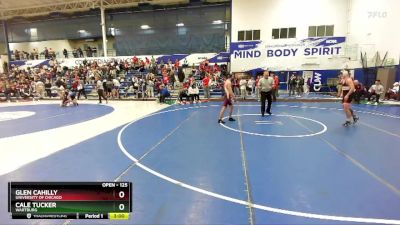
[(266, 85)]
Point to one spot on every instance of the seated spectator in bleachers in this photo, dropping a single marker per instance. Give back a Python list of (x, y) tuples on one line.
[(182, 93), (194, 93), (25, 91), (360, 92), (376, 90), (47, 87), (116, 86), (36, 53), (40, 89), (11, 91), (164, 93), (150, 88), (128, 90), (393, 93)]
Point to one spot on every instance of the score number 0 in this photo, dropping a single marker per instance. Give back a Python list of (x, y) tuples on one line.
[(121, 206)]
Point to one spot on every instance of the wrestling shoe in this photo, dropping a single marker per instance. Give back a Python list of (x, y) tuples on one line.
[(347, 123), (355, 118)]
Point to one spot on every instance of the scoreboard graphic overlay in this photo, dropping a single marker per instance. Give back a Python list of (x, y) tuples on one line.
[(70, 200)]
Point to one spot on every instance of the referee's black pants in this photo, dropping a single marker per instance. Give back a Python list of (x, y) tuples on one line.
[(100, 92), (266, 96)]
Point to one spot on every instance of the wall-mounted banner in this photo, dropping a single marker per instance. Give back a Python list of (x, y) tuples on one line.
[(249, 55), (184, 59), (320, 80), (321, 46)]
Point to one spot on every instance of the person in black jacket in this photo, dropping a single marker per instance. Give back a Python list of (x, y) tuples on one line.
[(299, 85), (292, 85)]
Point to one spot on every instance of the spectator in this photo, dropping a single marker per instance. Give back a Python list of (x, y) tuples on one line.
[(36, 53), (164, 93), (150, 88), (376, 90), (75, 53), (100, 90), (299, 85), (46, 53), (206, 86), (116, 86), (109, 87), (393, 93), (25, 91), (40, 89), (80, 52), (258, 88), (47, 87), (65, 52), (194, 93), (89, 51), (359, 91), (292, 85), (276, 87), (177, 64), (16, 55), (243, 86), (81, 89)]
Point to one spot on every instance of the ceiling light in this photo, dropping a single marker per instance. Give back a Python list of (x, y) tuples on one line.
[(81, 31), (217, 22), (180, 24), (144, 27)]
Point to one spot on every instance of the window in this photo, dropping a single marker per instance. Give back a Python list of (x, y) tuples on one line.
[(312, 31), (283, 33), (329, 30), (249, 35), (241, 36), (275, 33), (256, 34), (320, 31), (292, 32)]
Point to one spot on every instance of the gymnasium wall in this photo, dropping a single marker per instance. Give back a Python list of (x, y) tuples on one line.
[(198, 35), (366, 25), (374, 26)]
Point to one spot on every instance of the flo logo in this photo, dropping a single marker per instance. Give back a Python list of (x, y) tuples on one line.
[(377, 14)]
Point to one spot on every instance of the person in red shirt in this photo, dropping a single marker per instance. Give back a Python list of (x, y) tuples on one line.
[(176, 64), (216, 68), (135, 60), (75, 84), (202, 66), (166, 79), (276, 87), (206, 86), (258, 87)]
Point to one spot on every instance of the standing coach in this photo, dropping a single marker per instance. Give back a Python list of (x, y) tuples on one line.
[(266, 87)]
